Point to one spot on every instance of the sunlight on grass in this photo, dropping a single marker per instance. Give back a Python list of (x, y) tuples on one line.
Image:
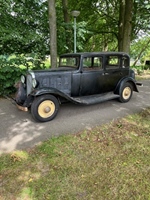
[(107, 162), (26, 193), (19, 156)]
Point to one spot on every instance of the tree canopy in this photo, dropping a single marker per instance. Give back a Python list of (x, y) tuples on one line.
[(109, 25)]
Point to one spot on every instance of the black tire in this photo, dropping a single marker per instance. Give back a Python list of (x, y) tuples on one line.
[(44, 108), (126, 93)]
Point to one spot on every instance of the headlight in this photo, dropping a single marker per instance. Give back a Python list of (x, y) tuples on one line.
[(23, 79), (34, 83)]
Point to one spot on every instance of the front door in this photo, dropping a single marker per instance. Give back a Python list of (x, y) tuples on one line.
[(92, 77)]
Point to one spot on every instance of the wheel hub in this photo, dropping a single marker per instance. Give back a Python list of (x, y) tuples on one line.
[(46, 109), (126, 92)]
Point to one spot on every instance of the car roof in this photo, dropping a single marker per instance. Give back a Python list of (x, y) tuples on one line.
[(95, 53)]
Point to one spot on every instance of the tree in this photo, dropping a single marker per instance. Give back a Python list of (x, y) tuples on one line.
[(113, 25), (108, 25), (21, 30), (67, 26), (140, 48), (125, 25), (53, 32)]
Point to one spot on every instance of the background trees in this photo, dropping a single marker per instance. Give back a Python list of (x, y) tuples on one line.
[(35, 28), (23, 28), (102, 25)]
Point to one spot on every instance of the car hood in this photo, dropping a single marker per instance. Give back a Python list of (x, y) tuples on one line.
[(54, 78)]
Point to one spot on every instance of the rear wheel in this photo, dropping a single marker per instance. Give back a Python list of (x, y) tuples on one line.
[(126, 93), (44, 108)]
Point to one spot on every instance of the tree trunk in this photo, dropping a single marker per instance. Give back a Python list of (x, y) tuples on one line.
[(67, 28), (121, 24), (125, 25), (65, 11), (53, 33)]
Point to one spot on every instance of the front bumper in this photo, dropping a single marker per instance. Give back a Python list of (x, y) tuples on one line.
[(22, 101), (22, 108), (20, 95)]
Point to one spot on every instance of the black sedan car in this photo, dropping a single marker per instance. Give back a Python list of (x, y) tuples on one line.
[(82, 78)]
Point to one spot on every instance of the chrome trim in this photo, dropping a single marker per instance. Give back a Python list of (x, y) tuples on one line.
[(29, 84)]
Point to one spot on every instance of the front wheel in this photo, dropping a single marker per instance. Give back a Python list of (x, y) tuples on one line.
[(126, 93), (44, 108)]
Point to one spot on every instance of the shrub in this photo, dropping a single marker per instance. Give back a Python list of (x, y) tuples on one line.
[(12, 67)]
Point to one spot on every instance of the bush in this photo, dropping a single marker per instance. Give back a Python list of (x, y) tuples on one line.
[(9, 74), (138, 70), (12, 67), (146, 67)]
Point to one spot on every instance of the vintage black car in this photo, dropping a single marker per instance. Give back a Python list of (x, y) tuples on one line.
[(82, 78)]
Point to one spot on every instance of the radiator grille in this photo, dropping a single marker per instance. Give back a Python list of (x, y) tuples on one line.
[(29, 84)]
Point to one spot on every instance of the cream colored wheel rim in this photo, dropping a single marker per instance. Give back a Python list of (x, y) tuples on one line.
[(46, 109), (126, 93)]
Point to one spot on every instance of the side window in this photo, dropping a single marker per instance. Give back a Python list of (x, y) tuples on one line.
[(125, 62), (92, 63), (87, 62), (97, 62), (112, 62), (69, 61)]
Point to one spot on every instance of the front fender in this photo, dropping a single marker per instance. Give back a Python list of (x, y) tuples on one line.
[(123, 81), (53, 91)]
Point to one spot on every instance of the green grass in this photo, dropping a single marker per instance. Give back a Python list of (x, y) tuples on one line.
[(108, 162)]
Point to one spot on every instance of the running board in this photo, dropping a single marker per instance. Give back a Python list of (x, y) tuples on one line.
[(93, 99)]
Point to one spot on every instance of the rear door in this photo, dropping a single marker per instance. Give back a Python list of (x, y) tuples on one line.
[(115, 68)]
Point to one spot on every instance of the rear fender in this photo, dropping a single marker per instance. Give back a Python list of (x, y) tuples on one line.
[(122, 82)]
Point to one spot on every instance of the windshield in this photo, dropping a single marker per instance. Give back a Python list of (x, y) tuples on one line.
[(69, 62)]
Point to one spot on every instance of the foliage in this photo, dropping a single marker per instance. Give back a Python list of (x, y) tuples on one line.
[(9, 74), (140, 48), (25, 29), (12, 67), (107, 162), (101, 25), (102, 18)]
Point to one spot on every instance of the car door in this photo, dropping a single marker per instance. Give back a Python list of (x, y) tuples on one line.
[(115, 68), (92, 76)]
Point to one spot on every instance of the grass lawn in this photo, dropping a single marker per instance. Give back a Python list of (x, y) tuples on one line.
[(110, 162)]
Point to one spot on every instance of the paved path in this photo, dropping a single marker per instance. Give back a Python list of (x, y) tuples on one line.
[(19, 131)]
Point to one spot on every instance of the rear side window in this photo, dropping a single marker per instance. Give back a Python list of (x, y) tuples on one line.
[(112, 62), (125, 62)]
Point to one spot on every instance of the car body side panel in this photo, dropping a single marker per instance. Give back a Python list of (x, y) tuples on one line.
[(112, 77), (75, 83), (59, 81)]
